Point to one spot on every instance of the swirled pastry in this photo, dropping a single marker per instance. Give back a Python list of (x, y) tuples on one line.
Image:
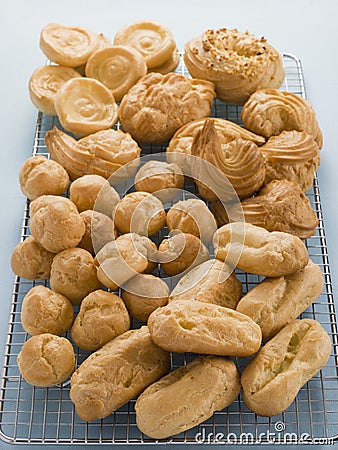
[(238, 63), (241, 162), (268, 112), (158, 105), (281, 206), (104, 42), (45, 82), (292, 155), (154, 41), (102, 153), (85, 106), (117, 67), (68, 46), (170, 65)]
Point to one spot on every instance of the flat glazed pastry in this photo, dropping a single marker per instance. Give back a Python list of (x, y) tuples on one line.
[(158, 105), (192, 216), (85, 106), (170, 65), (154, 41), (45, 311), (256, 250), (275, 302), (55, 223), (45, 82), (238, 63), (101, 318), (31, 260), (99, 230), (46, 360), (268, 112), (118, 67), (139, 212), (94, 192), (102, 153), (204, 328), (41, 176), (181, 252), (292, 155), (73, 274), (273, 378), (242, 164), (206, 384), (122, 259), (68, 46), (143, 294), (281, 206), (209, 282), (116, 373)]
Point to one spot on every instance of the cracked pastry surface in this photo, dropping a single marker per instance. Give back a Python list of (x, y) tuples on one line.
[(46, 360), (268, 112), (99, 230), (237, 62), (158, 105)]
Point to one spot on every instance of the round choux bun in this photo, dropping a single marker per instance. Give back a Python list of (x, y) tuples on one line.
[(31, 261), (55, 223), (99, 230), (46, 360), (73, 274), (45, 311), (41, 176)]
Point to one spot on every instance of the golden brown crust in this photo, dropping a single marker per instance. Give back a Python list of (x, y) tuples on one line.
[(170, 64), (187, 396), (191, 326), (238, 63), (99, 230), (158, 105), (268, 112), (274, 376), (116, 373)]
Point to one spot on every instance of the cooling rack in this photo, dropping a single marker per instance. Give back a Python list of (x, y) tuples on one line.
[(46, 415)]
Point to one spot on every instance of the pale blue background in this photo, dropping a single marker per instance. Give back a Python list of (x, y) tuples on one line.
[(306, 28)]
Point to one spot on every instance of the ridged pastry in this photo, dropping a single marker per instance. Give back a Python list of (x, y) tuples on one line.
[(158, 105), (210, 282), (281, 206), (187, 396), (241, 161), (256, 250), (102, 153), (170, 65), (45, 82), (85, 106), (238, 63), (68, 46), (292, 155), (268, 112), (118, 68), (273, 378), (275, 302), (154, 41)]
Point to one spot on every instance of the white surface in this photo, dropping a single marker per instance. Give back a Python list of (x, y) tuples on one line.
[(306, 28)]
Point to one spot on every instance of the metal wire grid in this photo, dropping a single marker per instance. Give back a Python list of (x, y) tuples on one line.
[(46, 415)]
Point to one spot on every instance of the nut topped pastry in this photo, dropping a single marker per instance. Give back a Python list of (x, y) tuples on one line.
[(158, 105), (238, 63), (268, 112)]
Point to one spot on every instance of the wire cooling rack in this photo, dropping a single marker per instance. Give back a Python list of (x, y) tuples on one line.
[(46, 415)]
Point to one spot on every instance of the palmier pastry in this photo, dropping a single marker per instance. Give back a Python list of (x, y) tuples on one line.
[(158, 105), (240, 161), (281, 206), (238, 63), (68, 46), (118, 68), (268, 112), (292, 155), (155, 42), (45, 82), (102, 153), (84, 106)]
